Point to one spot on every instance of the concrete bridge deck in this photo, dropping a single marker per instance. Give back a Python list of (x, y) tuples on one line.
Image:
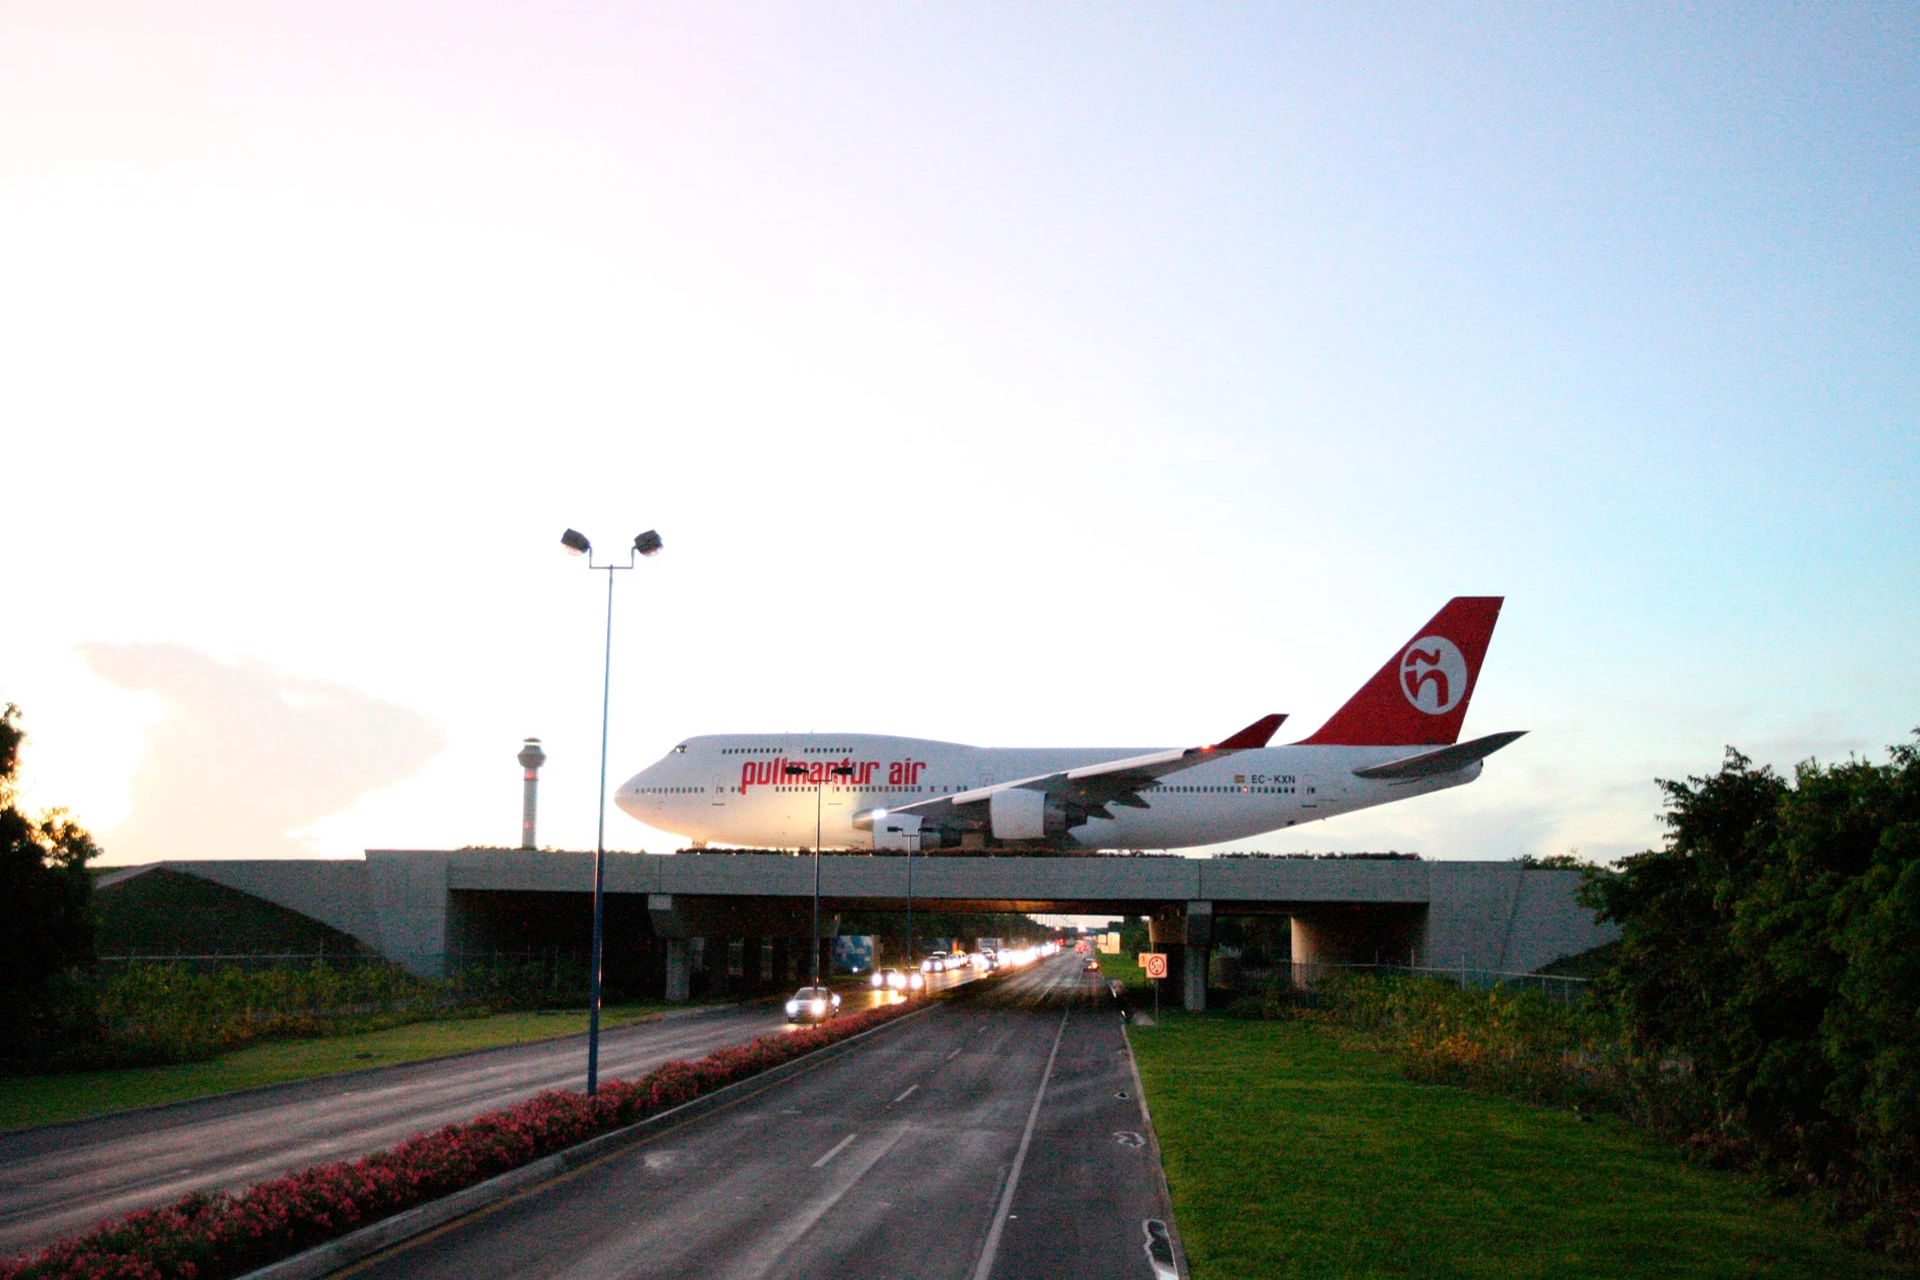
[(418, 906)]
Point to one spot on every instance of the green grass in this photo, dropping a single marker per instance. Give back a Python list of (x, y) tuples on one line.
[(31, 1100), (1130, 974), (1290, 1155)]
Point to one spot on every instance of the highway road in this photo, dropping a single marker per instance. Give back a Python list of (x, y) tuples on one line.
[(996, 1135), (62, 1179)]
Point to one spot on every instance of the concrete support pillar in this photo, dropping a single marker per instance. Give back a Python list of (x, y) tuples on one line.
[(782, 961), (1199, 941), (679, 970), (1194, 972), (753, 975), (1310, 948), (1185, 933)]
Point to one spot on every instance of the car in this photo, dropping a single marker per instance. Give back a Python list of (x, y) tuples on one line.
[(958, 960), (889, 980), (935, 963), (983, 960), (812, 1004)]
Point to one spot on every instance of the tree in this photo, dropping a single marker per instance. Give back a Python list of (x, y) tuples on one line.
[(46, 929), (1771, 950)]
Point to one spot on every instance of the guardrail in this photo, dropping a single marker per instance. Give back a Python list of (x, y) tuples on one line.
[(1567, 990)]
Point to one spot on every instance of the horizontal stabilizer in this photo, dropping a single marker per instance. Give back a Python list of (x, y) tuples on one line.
[(1446, 760)]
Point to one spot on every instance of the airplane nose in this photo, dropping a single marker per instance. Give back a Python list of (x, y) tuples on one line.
[(627, 796)]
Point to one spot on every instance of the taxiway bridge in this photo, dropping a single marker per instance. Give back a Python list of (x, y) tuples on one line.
[(418, 907)]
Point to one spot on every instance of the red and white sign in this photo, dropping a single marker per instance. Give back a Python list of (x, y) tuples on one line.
[(1155, 962)]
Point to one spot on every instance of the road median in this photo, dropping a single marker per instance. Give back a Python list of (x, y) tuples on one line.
[(363, 1206)]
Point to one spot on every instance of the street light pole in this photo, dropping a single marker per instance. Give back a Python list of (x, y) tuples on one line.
[(819, 785), (913, 965), (646, 544)]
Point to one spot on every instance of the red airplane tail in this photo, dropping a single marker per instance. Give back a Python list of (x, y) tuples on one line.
[(1420, 697)]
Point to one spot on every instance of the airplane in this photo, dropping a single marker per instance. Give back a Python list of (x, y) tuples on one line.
[(1398, 737)]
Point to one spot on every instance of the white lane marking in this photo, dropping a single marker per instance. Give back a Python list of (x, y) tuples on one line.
[(838, 1147), (770, 1252), (985, 1267), (953, 1055), (910, 1089)]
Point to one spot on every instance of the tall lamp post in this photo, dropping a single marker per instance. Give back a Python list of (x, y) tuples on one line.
[(912, 832), (647, 544), (913, 965), (801, 771)]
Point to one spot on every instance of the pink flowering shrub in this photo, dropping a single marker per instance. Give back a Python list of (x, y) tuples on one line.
[(212, 1237)]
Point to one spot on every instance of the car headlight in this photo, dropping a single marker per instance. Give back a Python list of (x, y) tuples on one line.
[(793, 1006), (836, 999), (877, 980)]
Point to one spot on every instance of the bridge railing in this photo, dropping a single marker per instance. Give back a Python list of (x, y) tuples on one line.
[(1558, 987)]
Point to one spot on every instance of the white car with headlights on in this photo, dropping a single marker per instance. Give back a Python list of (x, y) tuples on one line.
[(890, 980), (812, 1004)]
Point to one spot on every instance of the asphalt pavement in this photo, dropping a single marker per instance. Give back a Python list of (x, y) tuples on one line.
[(996, 1135), (59, 1180)]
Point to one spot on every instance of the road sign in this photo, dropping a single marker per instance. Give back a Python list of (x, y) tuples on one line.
[(1155, 962), (1109, 944)]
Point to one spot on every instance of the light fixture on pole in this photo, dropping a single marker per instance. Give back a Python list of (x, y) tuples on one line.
[(819, 784), (576, 543)]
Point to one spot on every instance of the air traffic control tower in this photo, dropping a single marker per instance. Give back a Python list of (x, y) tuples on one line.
[(531, 758)]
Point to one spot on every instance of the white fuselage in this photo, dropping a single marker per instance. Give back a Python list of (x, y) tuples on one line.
[(731, 789)]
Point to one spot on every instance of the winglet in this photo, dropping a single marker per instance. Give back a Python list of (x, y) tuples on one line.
[(1256, 734)]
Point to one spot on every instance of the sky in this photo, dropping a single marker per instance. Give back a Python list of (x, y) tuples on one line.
[(1013, 375)]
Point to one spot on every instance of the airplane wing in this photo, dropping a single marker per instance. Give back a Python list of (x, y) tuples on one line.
[(1445, 760), (1087, 792)]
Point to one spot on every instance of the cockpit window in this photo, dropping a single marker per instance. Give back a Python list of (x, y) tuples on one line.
[(680, 750)]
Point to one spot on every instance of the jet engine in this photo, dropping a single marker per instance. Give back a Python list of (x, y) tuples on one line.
[(1018, 814)]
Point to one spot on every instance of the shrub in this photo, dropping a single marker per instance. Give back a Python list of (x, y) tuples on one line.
[(148, 1013), (1513, 1042), (151, 1012)]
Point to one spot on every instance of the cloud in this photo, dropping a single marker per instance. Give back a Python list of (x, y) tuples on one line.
[(245, 755)]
